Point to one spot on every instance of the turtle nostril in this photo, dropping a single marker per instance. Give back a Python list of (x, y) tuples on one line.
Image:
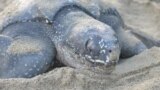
[(110, 51)]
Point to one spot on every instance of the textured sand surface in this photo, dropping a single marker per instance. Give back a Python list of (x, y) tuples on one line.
[(140, 72), (4, 3)]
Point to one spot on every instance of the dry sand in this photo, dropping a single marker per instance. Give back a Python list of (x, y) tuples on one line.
[(4, 3), (140, 72)]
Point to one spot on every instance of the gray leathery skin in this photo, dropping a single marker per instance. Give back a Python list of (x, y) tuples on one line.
[(29, 51), (80, 40)]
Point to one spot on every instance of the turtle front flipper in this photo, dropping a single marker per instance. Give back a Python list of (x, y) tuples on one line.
[(30, 53), (130, 44), (5, 41)]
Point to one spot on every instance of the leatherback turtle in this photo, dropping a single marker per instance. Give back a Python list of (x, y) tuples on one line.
[(79, 33)]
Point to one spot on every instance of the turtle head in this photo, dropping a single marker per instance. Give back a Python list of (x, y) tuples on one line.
[(98, 44), (99, 50)]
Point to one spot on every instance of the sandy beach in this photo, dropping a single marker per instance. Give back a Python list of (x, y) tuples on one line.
[(140, 72)]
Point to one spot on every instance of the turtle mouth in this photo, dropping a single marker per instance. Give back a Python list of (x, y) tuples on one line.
[(106, 62)]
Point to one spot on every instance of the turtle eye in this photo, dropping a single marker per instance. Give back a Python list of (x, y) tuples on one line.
[(86, 45), (92, 46)]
